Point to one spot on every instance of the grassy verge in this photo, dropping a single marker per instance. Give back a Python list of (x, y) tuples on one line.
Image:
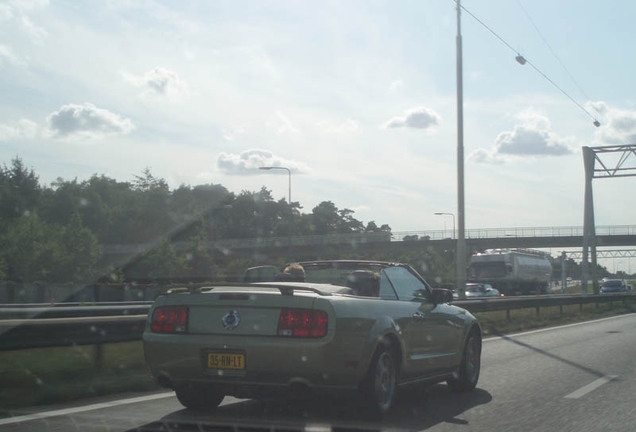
[(53, 375), (494, 323)]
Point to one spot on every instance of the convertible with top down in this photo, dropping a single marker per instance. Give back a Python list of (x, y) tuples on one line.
[(363, 326)]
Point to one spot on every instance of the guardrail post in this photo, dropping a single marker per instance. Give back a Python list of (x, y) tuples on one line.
[(560, 309), (508, 315)]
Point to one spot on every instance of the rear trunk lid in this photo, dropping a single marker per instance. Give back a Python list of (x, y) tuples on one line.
[(240, 311)]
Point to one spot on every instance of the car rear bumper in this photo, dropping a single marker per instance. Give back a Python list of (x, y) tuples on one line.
[(270, 363)]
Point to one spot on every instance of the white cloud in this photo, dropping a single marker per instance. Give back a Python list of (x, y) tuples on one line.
[(25, 6), (417, 118), (617, 126), (6, 12), (533, 137), (248, 163), (37, 33), (86, 121), (344, 127), (22, 129), (158, 82), (282, 124), (19, 11), (7, 56), (486, 157), (396, 85)]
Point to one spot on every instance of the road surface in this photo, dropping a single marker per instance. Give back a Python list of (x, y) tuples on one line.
[(580, 377)]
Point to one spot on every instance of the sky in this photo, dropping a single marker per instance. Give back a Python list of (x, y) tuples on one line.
[(357, 98)]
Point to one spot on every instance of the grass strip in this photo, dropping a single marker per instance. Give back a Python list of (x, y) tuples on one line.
[(42, 376), (495, 323)]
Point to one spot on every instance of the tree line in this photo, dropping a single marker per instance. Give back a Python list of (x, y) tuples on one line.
[(62, 232), (59, 232)]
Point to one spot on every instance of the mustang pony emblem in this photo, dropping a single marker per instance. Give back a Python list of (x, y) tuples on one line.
[(231, 320)]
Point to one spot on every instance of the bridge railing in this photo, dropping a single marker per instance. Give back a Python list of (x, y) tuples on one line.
[(370, 237), (559, 231)]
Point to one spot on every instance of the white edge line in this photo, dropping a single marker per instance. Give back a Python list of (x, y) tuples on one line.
[(47, 414), (590, 387), (493, 338)]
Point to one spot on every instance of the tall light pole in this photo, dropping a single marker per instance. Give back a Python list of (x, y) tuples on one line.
[(448, 214), (460, 280), (268, 168)]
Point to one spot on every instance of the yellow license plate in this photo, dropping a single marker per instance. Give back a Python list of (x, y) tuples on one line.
[(226, 361)]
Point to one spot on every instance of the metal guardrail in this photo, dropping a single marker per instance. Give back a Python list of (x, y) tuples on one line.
[(55, 326), (49, 312)]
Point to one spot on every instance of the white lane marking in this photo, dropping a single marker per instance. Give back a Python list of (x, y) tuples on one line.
[(47, 414), (494, 338), (591, 387)]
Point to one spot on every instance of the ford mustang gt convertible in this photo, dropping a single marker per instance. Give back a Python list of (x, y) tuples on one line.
[(362, 326)]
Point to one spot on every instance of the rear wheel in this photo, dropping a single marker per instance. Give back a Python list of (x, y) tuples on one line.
[(381, 381), (199, 397), (468, 373)]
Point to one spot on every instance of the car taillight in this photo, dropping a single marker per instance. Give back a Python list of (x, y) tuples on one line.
[(170, 319), (302, 323)]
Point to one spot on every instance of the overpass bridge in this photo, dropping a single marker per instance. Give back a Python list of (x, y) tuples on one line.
[(533, 237), (336, 245)]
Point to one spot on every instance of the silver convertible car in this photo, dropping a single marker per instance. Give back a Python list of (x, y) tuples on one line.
[(362, 326)]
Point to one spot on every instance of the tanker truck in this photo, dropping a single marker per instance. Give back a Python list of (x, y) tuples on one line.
[(512, 271)]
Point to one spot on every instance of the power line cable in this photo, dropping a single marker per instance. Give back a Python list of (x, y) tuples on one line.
[(522, 61), (545, 41)]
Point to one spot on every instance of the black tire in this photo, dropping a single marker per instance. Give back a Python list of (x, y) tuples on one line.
[(381, 381), (199, 397), (468, 373)]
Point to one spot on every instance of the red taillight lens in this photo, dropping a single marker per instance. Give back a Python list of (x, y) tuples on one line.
[(170, 319), (302, 323)]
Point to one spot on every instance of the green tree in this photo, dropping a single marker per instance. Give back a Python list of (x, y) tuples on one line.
[(199, 261), (20, 190), (160, 263), (31, 249), (79, 253)]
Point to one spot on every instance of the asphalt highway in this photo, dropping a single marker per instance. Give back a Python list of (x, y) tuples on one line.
[(574, 378)]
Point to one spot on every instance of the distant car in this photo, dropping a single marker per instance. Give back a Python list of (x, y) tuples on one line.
[(262, 339), (613, 286), (474, 290)]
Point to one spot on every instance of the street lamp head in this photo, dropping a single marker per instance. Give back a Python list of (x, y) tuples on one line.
[(265, 168)]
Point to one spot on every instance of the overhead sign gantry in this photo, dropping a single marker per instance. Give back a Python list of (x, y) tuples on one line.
[(604, 169)]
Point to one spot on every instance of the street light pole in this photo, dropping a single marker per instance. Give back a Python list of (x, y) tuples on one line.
[(449, 214), (268, 168), (461, 240)]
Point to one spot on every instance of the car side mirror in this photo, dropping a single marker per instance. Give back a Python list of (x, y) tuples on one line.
[(441, 295)]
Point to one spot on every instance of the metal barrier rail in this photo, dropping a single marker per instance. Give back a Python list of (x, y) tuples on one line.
[(122, 324), (18, 334), (49, 312)]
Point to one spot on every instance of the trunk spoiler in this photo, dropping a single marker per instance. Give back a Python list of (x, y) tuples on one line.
[(284, 289)]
